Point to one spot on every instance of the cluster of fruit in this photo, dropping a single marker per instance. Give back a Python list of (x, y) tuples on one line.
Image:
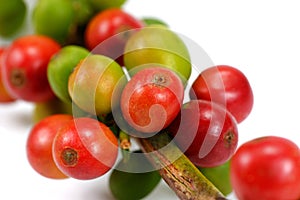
[(109, 79)]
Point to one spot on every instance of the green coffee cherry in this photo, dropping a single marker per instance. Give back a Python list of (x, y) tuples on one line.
[(12, 16), (125, 184)]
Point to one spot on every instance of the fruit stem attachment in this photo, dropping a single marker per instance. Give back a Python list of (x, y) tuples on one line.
[(69, 157), (18, 78), (182, 176), (125, 145)]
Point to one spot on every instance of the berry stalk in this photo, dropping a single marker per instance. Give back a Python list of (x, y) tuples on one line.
[(177, 170)]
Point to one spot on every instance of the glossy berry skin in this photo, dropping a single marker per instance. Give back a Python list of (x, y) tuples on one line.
[(105, 33), (25, 65), (107, 24), (5, 97), (219, 176), (85, 149), (206, 132), (152, 99), (266, 168), (61, 66), (39, 145), (92, 83), (158, 44), (227, 86)]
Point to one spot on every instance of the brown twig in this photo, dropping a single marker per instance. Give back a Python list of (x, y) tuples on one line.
[(177, 170)]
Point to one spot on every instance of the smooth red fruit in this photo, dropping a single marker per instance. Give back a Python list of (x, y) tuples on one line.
[(5, 97), (39, 145), (25, 65), (106, 24), (266, 168), (85, 149), (225, 85), (206, 132), (152, 99)]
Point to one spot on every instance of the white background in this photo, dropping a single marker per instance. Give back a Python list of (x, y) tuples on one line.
[(261, 38)]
